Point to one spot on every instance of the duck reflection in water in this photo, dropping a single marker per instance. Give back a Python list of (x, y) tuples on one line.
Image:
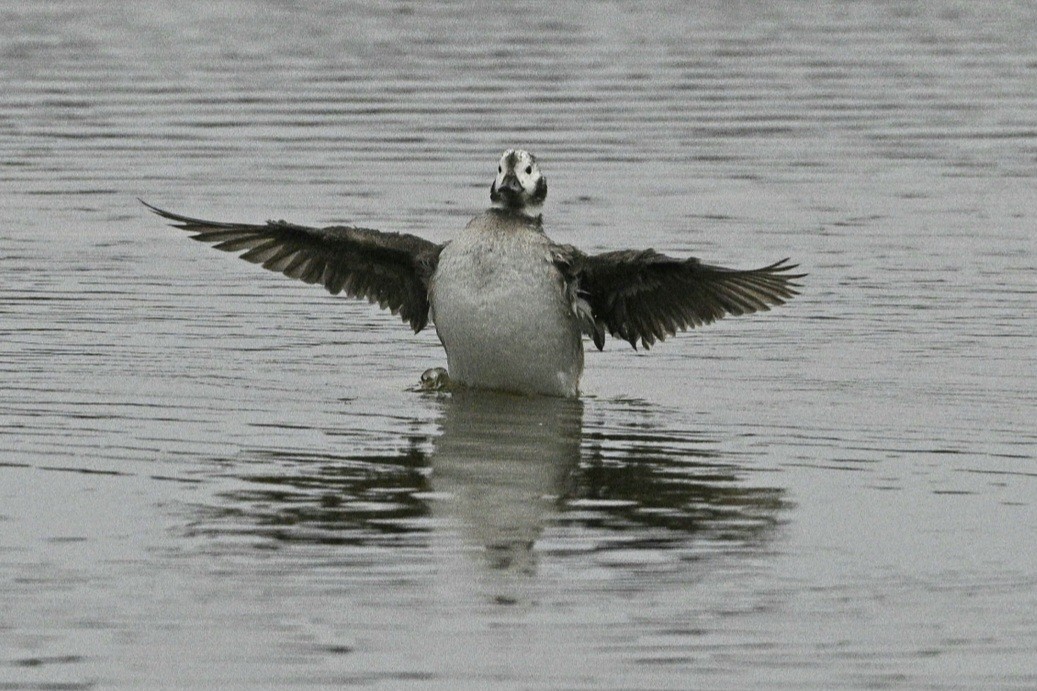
[(506, 462), (503, 469)]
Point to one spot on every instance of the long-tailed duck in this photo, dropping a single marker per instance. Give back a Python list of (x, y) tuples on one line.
[(509, 305)]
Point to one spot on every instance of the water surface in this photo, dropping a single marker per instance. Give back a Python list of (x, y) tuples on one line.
[(212, 475)]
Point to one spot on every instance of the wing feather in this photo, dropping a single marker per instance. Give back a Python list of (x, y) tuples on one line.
[(392, 270), (642, 295)]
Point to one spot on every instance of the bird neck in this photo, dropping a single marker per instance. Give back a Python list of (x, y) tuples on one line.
[(529, 215)]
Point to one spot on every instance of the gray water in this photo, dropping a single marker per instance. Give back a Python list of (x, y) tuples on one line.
[(213, 476)]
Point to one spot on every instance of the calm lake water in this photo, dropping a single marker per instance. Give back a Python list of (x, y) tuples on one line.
[(213, 476)]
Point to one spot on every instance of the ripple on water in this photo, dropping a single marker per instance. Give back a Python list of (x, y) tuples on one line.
[(206, 467)]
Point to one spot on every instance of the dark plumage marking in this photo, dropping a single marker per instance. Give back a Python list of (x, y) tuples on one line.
[(647, 296), (540, 193), (390, 269)]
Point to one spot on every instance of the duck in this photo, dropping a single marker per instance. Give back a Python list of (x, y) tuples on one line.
[(511, 307)]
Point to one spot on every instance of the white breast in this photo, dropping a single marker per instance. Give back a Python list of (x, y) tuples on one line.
[(501, 313)]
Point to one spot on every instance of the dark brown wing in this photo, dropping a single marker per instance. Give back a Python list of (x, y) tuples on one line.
[(390, 269), (649, 296)]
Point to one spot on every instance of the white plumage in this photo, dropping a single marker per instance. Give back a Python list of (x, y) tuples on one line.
[(500, 308)]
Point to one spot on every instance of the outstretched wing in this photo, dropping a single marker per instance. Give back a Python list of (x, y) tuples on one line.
[(641, 294), (391, 269)]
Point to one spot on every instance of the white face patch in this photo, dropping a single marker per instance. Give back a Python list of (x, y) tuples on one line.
[(523, 165), (517, 165)]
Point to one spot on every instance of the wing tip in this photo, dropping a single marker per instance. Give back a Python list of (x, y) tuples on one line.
[(152, 208), (188, 223), (782, 268), (183, 221)]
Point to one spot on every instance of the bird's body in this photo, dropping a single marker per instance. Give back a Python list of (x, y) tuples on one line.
[(500, 309), (510, 306)]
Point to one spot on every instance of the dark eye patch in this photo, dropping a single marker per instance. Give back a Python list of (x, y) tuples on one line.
[(529, 170)]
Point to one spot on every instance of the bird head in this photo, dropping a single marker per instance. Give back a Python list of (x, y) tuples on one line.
[(519, 185)]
